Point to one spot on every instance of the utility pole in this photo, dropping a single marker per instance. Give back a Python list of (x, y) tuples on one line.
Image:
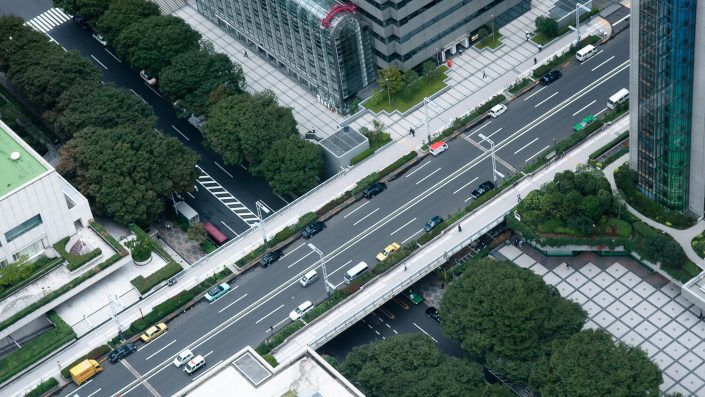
[(261, 207), (494, 164), (329, 289), (113, 310), (578, 6), (426, 102)]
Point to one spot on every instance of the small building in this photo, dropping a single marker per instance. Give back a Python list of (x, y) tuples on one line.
[(340, 148), (37, 206)]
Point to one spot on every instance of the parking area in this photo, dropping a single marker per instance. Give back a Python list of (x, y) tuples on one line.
[(635, 305)]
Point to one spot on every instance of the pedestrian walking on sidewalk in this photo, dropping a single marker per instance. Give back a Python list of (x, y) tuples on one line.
[(245, 53), (484, 74), (535, 61), (460, 229), (404, 267)]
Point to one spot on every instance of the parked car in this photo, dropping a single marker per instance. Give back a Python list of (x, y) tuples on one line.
[(374, 190), (121, 352), (153, 333), (388, 251), (435, 221), (99, 38), (217, 291), (482, 189), (147, 78), (270, 257), (312, 229), (182, 358), (550, 77), (80, 21), (584, 123), (497, 110), (414, 297), (300, 310), (432, 313)]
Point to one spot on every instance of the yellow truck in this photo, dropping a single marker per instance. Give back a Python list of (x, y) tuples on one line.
[(85, 370)]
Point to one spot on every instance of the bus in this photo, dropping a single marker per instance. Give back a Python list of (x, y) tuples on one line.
[(617, 99), (214, 234), (357, 271)]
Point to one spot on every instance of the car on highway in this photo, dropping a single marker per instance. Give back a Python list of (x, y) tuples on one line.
[(497, 110), (550, 77), (388, 251), (374, 190), (484, 187), (414, 297), (300, 310), (80, 21), (433, 222), (99, 38), (153, 333), (579, 126), (147, 78), (270, 257), (217, 291), (312, 229), (432, 313), (194, 365), (121, 352), (182, 358)]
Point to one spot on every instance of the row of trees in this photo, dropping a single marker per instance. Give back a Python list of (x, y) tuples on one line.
[(392, 79)]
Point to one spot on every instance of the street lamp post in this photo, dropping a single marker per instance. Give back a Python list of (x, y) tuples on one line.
[(323, 266), (389, 94), (494, 164), (578, 6), (492, 16), (261, 207)]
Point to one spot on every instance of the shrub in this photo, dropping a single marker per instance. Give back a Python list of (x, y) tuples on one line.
[(95, 354), (74, 261), (599, 152), (208, 246), (42, 388), (271, 360), (98, 228), (144, 284), (547, 26), (278, 338), (519, 85), (140, 247)]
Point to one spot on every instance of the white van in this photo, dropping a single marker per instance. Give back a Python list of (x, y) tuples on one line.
[(308, 278), (357, 271), (300, 310), (617, 99), (195, 364), (586, 53), (497, 110), (438, 148)]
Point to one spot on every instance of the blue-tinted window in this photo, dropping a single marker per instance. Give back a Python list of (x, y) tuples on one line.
[(23, 227)]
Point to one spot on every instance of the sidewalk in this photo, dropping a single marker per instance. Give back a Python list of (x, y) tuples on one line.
[(378, 292)]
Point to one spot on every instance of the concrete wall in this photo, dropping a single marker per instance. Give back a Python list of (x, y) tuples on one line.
[(634, 85), (696, 193)]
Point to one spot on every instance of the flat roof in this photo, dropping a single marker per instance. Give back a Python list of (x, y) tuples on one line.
[(344, 140), (15, 173)]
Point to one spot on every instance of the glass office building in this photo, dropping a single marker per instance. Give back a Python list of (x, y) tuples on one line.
[(323, 44), (666, 139)]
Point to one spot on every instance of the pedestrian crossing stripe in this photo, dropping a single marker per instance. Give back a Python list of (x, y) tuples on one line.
[(228, 200), (48, 20)]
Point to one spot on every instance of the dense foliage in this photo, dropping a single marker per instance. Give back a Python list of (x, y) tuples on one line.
[(89, 9), (292, 165), (121, 14)]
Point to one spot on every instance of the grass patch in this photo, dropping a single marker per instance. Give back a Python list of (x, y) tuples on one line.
[(38, 348), (377, 139), (599, 152), (698, 245), (409, 96), (490, 41), (42, 388), (144, 284), (74, 261), (542, 38), (519, 85), (94, 354), (29, 272), (98, 228)]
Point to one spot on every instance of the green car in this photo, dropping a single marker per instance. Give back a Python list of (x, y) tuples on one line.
[(584, 123), (414, 297)]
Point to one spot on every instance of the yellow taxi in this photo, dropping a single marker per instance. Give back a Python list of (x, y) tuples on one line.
[(153, 333), (388, 251)]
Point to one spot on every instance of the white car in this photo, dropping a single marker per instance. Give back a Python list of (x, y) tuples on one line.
[(497, 110), (183, 358), (301, 310), (147, 78), (99, 38)]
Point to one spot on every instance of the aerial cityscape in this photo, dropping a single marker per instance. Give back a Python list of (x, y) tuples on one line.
[(352, 198)]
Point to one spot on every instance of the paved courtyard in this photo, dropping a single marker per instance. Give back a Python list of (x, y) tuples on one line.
[(636, 306)]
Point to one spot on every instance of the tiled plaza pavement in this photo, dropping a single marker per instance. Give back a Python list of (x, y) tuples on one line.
[(633, 304)]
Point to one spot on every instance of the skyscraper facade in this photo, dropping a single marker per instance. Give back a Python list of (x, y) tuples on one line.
[(667, 110)]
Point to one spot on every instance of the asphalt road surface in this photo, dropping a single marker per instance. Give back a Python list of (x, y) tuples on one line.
[(439, 185)]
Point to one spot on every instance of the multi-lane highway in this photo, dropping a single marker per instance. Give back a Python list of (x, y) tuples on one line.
[(437, 186)]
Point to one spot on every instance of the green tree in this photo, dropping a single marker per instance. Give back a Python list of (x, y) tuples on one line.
[(140, 247), (151, 43), (409, 77), (193, 75), (123, 13), (196, 233), (591, 364), (101, 105), (547, 26), (241, 128), (391, 79), (507, 316), (428, 69), (89, 9), (127, 172), (410, 365), (495, 391), (292, 165), (18, 41)]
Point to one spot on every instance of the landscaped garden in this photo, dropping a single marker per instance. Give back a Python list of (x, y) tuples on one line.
[(403, 91)]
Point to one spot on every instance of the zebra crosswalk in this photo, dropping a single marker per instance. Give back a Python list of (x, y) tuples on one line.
[(233, 204), (48, 20)]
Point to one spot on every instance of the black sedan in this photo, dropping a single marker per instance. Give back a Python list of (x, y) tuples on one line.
[(482, 189), (374, 190), (270, 257), (121, 352), (312, 229), (432, 313), (435, 221)]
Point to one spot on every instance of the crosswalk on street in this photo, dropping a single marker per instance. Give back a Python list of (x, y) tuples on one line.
[(48, 20)]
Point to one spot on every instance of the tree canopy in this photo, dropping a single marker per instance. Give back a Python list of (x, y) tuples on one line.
[(123, 13), (105, 106), (89, 9), (193, 75), (391, 79), (507, 316), (292, 165), (128, 171), (591, 364), (151, 43), (410, 365)]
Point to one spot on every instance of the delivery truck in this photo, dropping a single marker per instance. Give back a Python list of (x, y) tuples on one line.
[(85, 370)]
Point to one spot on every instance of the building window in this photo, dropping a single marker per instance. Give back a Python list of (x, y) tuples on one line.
[(30, 251), (23, 227)]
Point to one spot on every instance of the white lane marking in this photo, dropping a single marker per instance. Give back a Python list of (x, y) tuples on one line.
[(395, 332), (428, 176), (208, 354), (182, 134), (524, 147), (465, 185), (192, 196), (585, 107), (365, 217), (598, 113), (353, 211), (607, 60), (620, 21), (268, 314), (195, 378), (140, 97), (541, 89), (281, 322), (468, 199), (95, 392), (340, 268), (300, 259), (232, 303), (284, 200), (537, 153), (481, 127), (229, 228), (592, 57), (410, 237), (492, 134), (427, 334), (402, 226), (84, 385), (222, 296), (112, 55), (293, 250), (153, 90), (99, 62), (542, 102), (219, 166), (418, 169), (160, 350), (232, 203)]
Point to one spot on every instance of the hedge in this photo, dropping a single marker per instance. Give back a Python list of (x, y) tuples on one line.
[(278, 338), (519, 85), (36, 349), (374, 145), (98, 228), (39, 268), (599, 152), (577, 137), (144, 284), (155, 246), (94, 354), (74, 261), (42, 388)]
